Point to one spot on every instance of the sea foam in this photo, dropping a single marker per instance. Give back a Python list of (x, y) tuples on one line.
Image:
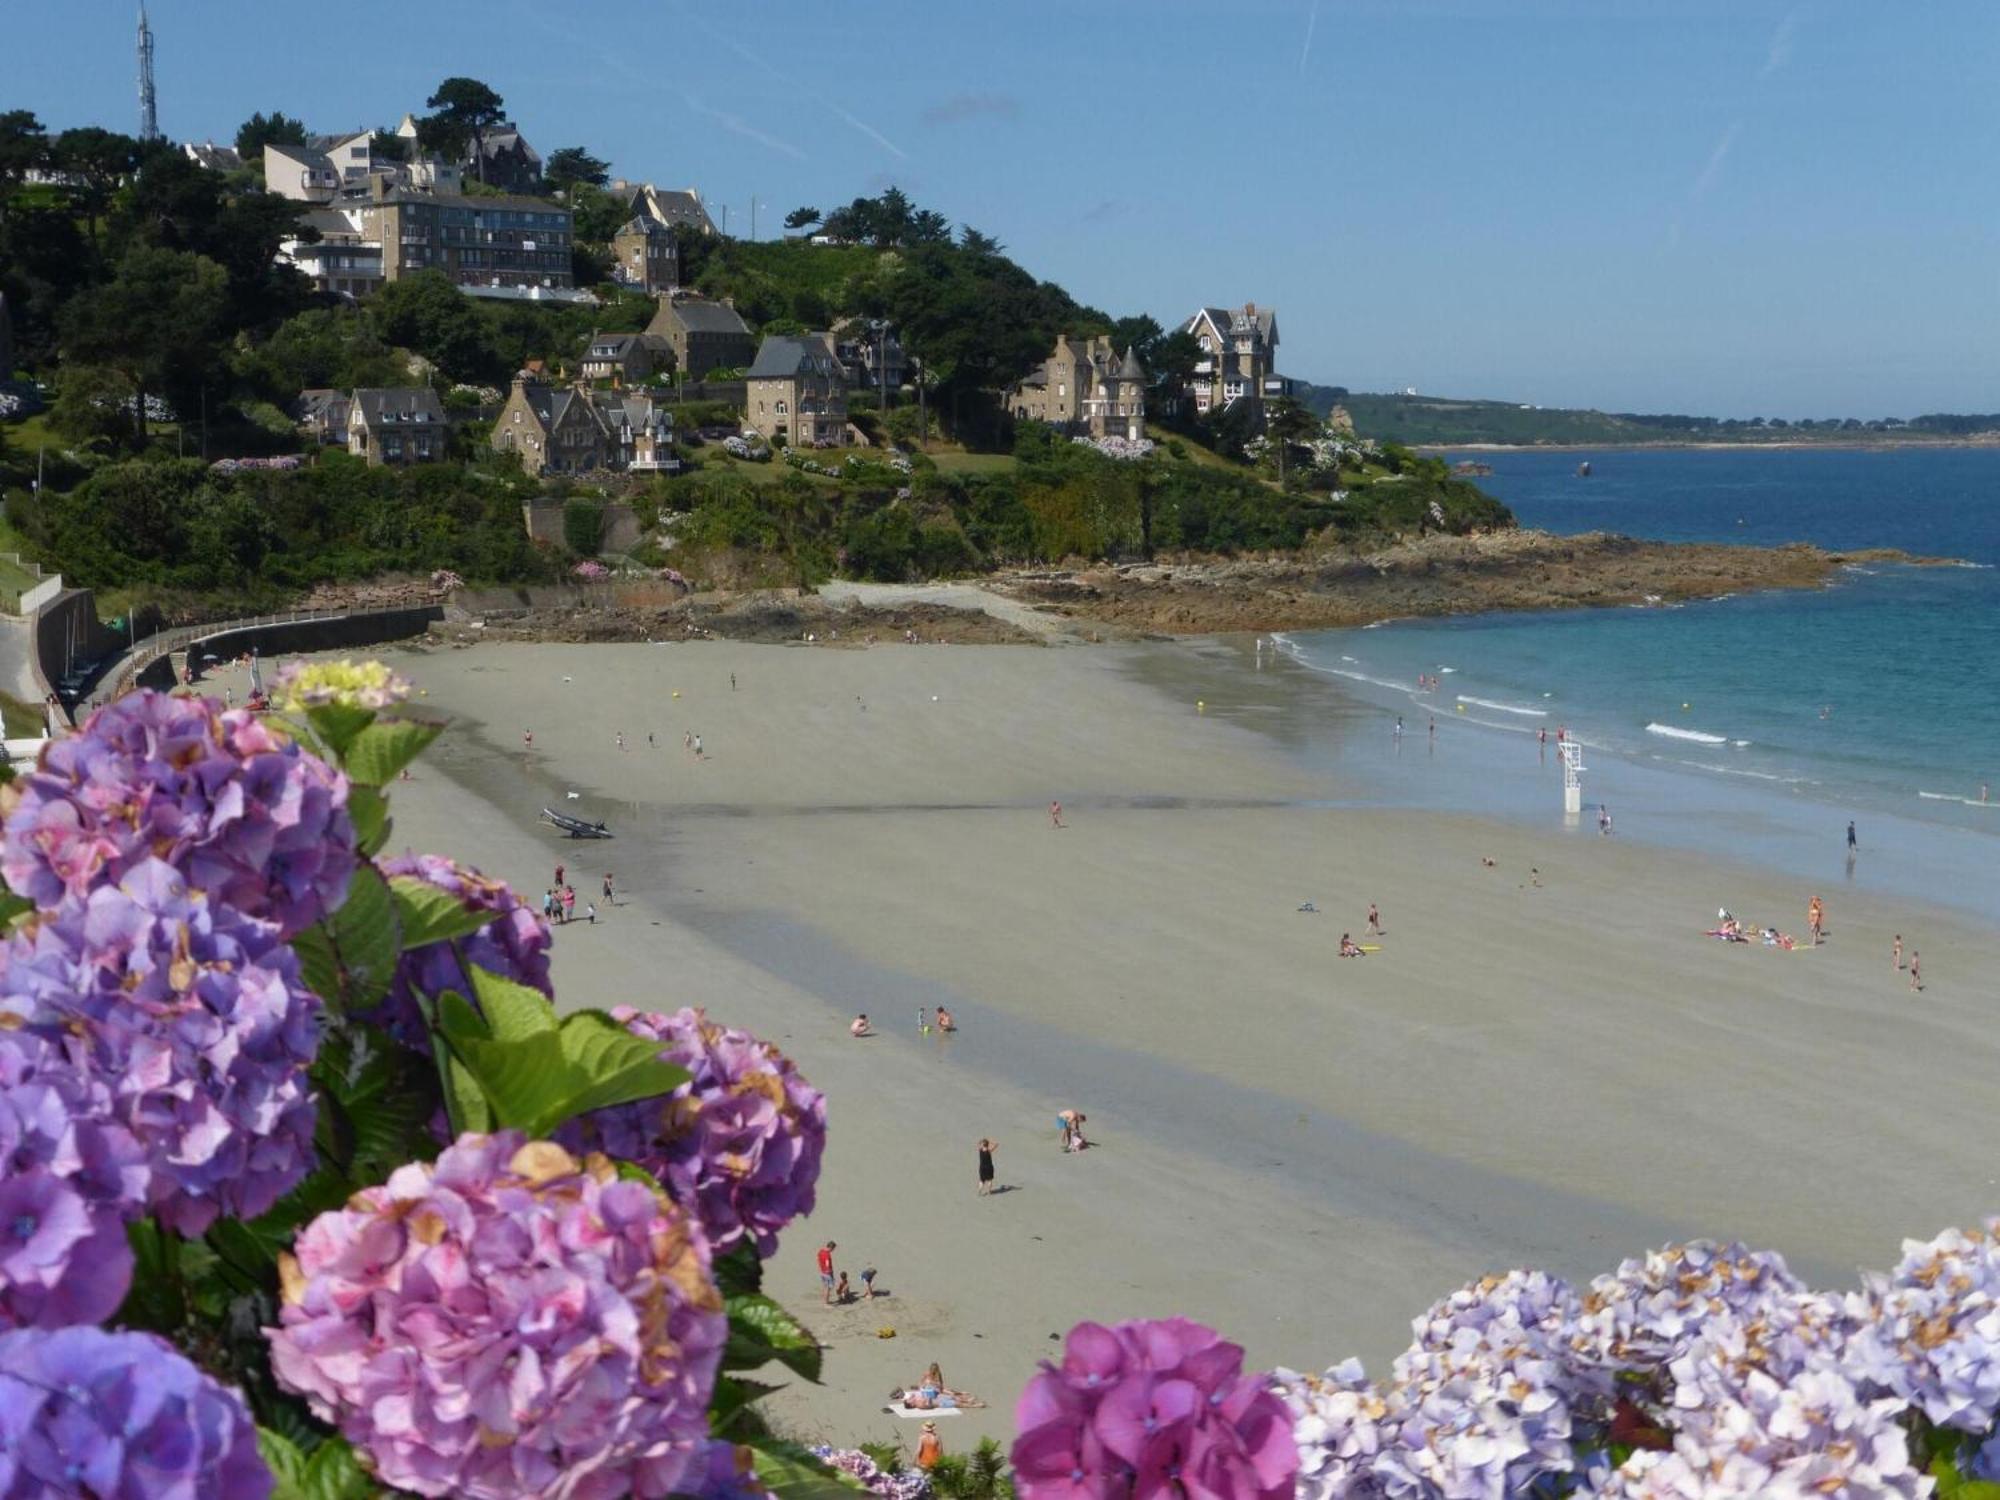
[(1504, 708)]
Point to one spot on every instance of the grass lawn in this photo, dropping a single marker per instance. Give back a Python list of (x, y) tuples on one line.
[(23, 721), (973, 463)]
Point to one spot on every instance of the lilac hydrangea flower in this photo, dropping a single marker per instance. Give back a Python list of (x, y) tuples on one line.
[(1932, 1333), (1745, 1434), (89, 1412), (1649, 1311), (194, 1020), (739, 1143), (904, 1484), (1340, 1423), (507, 1322), (514, 945), (1482, 1403), (724, 1471), (70, 1178), (1153, 1408), (244, 814)]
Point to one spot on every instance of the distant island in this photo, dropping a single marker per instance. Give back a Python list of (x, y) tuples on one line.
[(1448, 421)]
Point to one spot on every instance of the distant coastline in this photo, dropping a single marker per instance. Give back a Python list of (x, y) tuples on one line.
[(1832, 445)]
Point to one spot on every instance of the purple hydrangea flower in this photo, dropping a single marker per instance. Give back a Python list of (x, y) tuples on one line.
[(89, 1412), (507, 1322), (244, 814), (514, 945), (904, 1484), (1482, 1403), (739, 1143), (724, 1471), (1154, 1408), (70, 1178), (1930, 1331), (1649, 1311), (192, 1017), (1745, 1434), (1340, 1423)]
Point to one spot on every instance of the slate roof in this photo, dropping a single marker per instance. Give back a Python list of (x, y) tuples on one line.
[(782, 356), (395, 405), (699, 315)]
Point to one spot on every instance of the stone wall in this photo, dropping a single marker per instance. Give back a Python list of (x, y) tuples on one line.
[(291, 637), (69, 637), (544, 520)]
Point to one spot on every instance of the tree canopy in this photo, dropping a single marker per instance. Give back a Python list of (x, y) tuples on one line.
[(274, 129), (465, 109), (572, 164)]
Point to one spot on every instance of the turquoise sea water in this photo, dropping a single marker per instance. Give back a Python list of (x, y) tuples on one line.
[(1761, 721)]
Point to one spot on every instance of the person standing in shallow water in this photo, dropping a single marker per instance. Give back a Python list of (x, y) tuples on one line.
[(986, 1150)]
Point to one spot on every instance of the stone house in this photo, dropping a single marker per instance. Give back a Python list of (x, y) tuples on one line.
[(401, 425), (1085, 387), (644, 255), (669, 207), (575, 430), (1239, 349), (704, 335), (797, 390), (624, 358)]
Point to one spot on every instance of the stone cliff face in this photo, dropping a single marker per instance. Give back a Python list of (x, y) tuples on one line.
[(1435, 575)]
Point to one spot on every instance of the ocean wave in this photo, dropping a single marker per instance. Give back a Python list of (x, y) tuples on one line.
[(1954, 797), (1447, 669), (1505, 708), (1702, 765), (1697, 736)]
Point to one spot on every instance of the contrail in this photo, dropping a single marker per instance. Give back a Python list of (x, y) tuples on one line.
[(758, 60), (868, 130), (737, 125), (1779, 55), (1713, 169), (1312, 21)]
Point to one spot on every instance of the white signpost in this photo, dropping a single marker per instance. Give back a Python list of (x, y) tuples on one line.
[(1572, 759)]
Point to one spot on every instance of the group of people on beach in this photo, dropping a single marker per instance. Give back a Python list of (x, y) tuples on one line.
[(559, 900)]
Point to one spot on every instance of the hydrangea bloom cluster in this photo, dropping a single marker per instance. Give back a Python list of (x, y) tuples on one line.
[(242, 813), (507, 1322), (194, 1020), (739, 1143), (1340, 1423), (1482, 1401), (86, 1412), (1934, 1334), (1152, 1408), (1649, 1311), (724, 1471), (514, 945), (70, 1178), (904, 1484), (313, 684), (1742, 1433)]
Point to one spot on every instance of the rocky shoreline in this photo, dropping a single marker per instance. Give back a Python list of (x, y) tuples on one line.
[(1509, 570), (1436, 575)]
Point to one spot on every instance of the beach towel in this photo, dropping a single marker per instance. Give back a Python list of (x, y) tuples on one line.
[(920, 1413)]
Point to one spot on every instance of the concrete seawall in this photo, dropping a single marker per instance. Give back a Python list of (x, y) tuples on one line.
[(289, 636)]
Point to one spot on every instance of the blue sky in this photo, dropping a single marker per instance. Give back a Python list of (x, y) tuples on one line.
[(1782, 207)]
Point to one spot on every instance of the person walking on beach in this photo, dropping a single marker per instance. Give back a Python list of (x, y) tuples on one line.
[(1896, 952), (1850, 835), (923, 1020), (527, 739), (826, 1281), (1399, 729), (732, 688), (608, 899), (569, 904), (1916, 970), (697, 747), (590, 912), (1815, 917), (1604, 819), (1374, 919), (621, 739), (1055, 815), (560, 867), (986, 1150)]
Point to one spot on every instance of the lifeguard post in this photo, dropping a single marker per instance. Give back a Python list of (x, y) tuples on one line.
[(1572, 759)]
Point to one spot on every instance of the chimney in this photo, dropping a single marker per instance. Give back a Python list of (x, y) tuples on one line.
[(1250, 308)]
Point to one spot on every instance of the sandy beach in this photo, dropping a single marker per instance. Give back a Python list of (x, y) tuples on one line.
[(1299, 1149)]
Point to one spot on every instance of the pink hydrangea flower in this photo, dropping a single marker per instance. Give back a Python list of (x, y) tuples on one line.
[(739, 1143), (508, 1322), (244, 814), (1154, 1408)]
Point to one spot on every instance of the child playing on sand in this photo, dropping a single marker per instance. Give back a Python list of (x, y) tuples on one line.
[(868, 1282), (860, 1026), (1349, 949), (841, 1291), (944, 1020)]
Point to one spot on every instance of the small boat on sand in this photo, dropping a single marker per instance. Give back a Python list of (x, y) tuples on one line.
[(576, 828)]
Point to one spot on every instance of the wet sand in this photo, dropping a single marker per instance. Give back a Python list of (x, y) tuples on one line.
[(1299, 1149)]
